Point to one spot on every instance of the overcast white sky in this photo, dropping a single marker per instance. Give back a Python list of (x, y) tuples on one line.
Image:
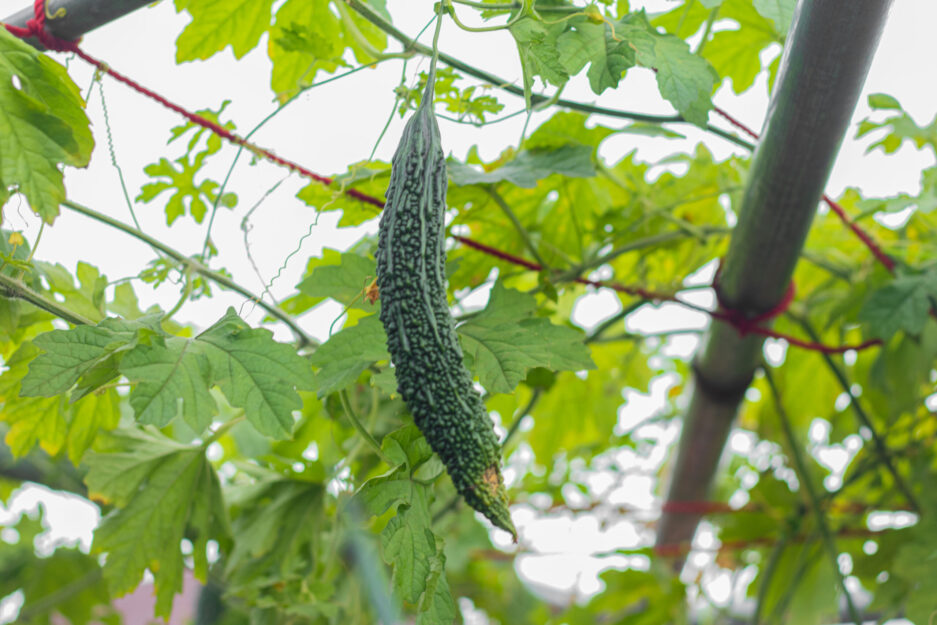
[(333, 126)]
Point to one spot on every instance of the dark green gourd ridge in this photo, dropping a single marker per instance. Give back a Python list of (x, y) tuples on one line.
[(421, 337)]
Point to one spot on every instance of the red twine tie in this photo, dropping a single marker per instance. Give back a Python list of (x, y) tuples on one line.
[(36, 27)]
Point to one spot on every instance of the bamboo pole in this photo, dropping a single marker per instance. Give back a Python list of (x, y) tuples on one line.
[(826, 60), (70, 19)]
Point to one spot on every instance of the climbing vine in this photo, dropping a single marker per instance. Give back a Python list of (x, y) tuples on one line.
[(276, 463)]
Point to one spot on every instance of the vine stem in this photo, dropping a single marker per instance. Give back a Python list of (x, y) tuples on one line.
[(480, 29), (14, 288), (363, 431), (521, 230), (878, 442), (186, 292), (190, 263), (514, 6), (224, 428), (805, 478), (378, 20), (769, 569), (46, 604), (523, 412)]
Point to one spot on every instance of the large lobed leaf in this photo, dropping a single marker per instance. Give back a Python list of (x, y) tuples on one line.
[(173, 375), (167, 492)]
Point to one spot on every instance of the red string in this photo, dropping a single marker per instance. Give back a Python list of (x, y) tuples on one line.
[(876, 250), (744, 325), (675, 550), (739, 320), (36, 27), (863, 236), (698, 507)]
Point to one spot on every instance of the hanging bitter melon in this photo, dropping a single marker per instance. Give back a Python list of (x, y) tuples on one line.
[(421, 338)]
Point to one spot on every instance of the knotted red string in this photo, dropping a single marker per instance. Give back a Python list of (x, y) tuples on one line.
[(36, 27), (742, 322)]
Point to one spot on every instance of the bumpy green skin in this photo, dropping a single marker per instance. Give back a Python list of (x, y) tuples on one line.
[(421, 336)]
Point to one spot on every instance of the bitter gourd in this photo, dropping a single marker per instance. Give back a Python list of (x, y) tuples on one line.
[(421, 338)]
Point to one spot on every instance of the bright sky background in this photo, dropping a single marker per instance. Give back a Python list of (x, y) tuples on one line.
[(331, 127)]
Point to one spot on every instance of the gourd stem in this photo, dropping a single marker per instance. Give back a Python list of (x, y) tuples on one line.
[(363, 431)]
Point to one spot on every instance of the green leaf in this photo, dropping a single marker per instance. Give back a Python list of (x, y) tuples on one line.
[(685, 79), (90, 415), (461, 102), (904, 304), (306, 38), (123, 461), (730, 53), (278, 531), (368, 177), (169, 495), (169, 375), (565, 128), (36, 420), (49, 422), (506, 340), (437, 607), (651, 130), (386, 381), (344, 281), (70, 354), (378, 494), (186, 196), (537, 46), (407, 446), (42, 126), (86, 299), (216, 24), (596, 45), (884, 101), (528, 167), (41, 580), (914, 563), (620, 367), (256, 373), (812, 598), (346, 354), (781, 12), (409, 545), (685, 19), (736, 53)]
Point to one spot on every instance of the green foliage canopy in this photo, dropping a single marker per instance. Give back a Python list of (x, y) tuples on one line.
[(292, 475)]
